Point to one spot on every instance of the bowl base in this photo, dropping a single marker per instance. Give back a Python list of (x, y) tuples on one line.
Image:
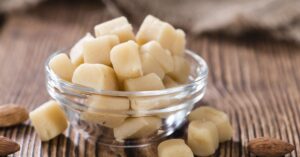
[(131, 143)]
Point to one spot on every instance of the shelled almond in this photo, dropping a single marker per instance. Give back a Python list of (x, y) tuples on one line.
[(11, 114), (8, 146), (266, 146)]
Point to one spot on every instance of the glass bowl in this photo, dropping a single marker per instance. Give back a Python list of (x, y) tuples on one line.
[(152, 116)]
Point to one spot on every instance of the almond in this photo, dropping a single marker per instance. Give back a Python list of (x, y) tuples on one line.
[(11, 114), (8, 146), (269, 147)]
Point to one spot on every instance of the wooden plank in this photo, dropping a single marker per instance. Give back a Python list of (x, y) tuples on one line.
[(255, 81)]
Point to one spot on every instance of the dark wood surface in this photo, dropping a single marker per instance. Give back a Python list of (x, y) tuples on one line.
[(255, 81)]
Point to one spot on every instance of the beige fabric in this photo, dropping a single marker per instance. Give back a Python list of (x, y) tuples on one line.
[(279, 18), (11, 5)]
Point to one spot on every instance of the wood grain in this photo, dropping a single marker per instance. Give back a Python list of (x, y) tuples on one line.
[(256, 81)]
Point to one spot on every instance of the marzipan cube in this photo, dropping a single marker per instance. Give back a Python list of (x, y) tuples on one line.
[(162, 56), (135, 128), (49, 120), (179, 43), (97, 76), (203, 138), (101, 110), (62, 66), (181, 69), (169, 82), (76, 53), (153, 124), (126, 60), (144, 83), (149, 103), (98, 50), (174, 148), (149, 30), (108, 102), (150, 65), (219, 118), (154, 29), (167, 36), (118, 26)]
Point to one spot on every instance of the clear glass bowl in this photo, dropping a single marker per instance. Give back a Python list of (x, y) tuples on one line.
[(168, 107)]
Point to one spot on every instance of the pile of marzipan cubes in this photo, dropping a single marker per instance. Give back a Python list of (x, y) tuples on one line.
[(116, 59)]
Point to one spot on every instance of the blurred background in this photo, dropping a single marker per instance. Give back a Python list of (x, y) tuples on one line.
[(273, 18), (252, 49)]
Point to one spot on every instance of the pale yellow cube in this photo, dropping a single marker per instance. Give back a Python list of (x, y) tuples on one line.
[(129, 128), (49, 120), (174, 148), (76, 53), (98, 50), (108, 103), (118, 26), (154, 29), (144, 83), (97, 76), (166, 36), (162, 56), (101, 110), (136, 128), (203, 138), (150, 65), (179, 43), (153, 125), (149, 30), (169, 82), (149, 103), (126, 60), (62, 66), (181, 69), (219, 118)]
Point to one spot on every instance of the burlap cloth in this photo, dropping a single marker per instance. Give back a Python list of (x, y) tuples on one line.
[(277, 18)]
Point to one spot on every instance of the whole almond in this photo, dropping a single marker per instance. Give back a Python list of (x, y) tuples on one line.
[(269, 147), (8, 146), (11, 114)]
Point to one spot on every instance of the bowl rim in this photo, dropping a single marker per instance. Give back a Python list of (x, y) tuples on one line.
[(203, 74)]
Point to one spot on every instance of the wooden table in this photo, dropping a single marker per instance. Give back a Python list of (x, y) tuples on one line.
[(256, 81)]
